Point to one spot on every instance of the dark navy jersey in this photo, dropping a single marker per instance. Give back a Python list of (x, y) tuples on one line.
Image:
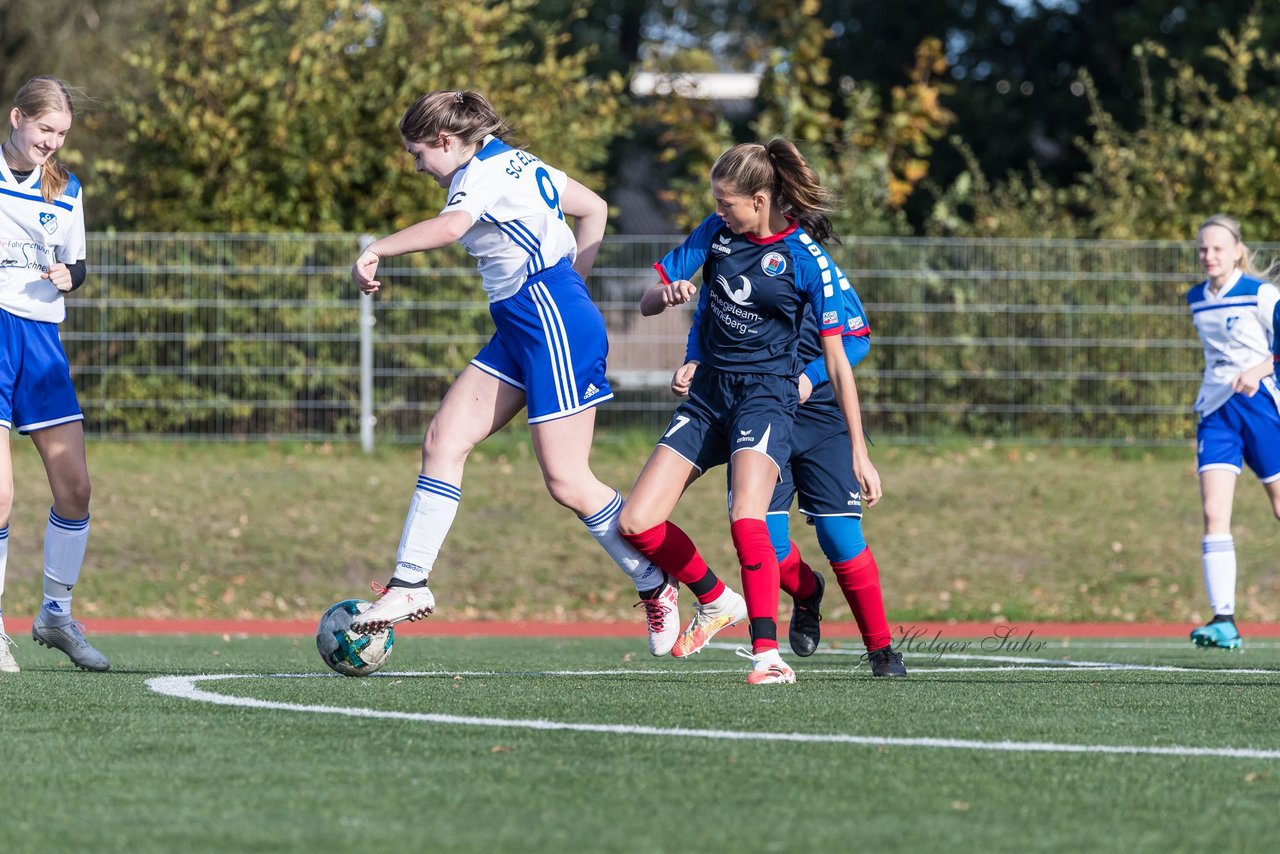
[(754, 292)]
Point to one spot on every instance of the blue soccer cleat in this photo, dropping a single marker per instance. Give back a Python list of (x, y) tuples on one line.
[(1220, 634)]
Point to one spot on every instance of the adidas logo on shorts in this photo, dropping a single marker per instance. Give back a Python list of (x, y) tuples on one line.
[(591, 391)]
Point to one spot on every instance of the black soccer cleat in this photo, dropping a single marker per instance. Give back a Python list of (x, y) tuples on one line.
[(886, 662), (806, 617)]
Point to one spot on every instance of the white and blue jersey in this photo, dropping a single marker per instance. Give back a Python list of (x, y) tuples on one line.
[(518, 229), (754, 291), (550, 341), (35, 380), (34, 235), (1237, 328)]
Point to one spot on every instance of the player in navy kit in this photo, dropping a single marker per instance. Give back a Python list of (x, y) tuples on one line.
[(42, 250), (820, 473), (508, 209), (760, 267), (1235, 311)]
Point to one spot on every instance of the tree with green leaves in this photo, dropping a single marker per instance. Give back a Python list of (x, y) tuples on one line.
[(274, 115), (873, 158), (1202, 147)]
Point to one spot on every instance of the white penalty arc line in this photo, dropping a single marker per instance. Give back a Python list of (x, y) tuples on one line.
[(185, 687)]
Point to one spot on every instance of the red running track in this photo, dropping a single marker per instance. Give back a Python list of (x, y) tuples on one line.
[(921, 631)]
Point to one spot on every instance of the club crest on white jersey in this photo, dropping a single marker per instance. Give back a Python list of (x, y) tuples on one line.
[(35, 235)]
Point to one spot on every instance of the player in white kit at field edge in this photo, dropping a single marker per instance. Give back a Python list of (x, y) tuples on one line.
[(42, 250), (1238, 406)]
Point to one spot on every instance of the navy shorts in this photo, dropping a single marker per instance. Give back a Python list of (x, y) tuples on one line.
[(820, 470), (551, 344), (35, 380), (727, 413), (1243, 429)]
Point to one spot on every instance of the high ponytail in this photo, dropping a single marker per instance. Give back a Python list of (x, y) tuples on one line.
[(801, 190), (780, 170)]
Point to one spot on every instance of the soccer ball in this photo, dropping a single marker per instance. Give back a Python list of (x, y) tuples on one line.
[(351, 653)]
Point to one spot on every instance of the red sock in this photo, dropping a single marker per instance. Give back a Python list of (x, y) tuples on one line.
[(671, 550), (759, 580), (795, 577), (859, 580)]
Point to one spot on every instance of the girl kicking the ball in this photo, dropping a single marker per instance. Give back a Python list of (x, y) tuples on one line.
[(508, 208)]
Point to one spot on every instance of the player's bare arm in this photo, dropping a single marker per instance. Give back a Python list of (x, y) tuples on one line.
[(590, 213), (433, 233), (661, 297), (846, 390), (1247, 382)]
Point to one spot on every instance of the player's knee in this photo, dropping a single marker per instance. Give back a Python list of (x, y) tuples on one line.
[(441, 443), (71, 499), (1216, 519), (633, 520), (6, 503), (562, 492)]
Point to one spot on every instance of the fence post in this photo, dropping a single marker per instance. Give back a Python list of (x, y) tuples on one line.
[(367, 320)]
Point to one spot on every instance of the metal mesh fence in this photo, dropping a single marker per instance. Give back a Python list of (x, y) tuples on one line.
[(258, 336)]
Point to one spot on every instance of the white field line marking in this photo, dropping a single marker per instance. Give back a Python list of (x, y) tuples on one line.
[(185, 687), (1019, 660)]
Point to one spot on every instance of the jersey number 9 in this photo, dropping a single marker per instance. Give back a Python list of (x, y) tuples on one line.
[(550, 194)]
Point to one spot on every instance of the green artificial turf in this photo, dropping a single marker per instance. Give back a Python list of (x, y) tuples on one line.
[(103, 762)]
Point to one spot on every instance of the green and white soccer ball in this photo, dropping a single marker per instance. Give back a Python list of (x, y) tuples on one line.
[(348, 652)]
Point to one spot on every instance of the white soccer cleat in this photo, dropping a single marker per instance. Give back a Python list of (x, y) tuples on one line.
[(7, 662), (728, 609), (768, 668), (394, 605), (663, 618)]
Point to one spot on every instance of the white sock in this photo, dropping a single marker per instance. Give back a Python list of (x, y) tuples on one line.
[(64, 544), (1220, 573), (603, 525), (4, 563), (769, 656), (431, 512)]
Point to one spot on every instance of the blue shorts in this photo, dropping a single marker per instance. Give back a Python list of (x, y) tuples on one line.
[(728, 412), (551, 344), (35, 380), (821, 467), (1243, 428)]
